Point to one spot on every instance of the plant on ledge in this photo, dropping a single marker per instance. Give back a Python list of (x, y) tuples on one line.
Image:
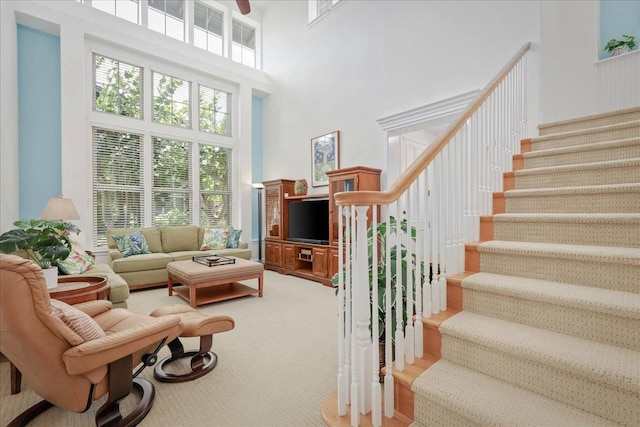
[(618, 47), (45, 242)]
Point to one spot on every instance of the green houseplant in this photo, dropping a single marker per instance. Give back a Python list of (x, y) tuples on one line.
[(383, 270), (617, 47), (45, 242)]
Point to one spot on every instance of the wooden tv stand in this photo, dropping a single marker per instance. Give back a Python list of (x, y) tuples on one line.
[(307, 260)]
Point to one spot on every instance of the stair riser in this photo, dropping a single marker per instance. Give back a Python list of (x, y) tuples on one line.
[(610, 202), (621, 277), (616, 152), (549, 381), (605, 328), (594, 234), (589, 123), (618, 175), (591, 138)]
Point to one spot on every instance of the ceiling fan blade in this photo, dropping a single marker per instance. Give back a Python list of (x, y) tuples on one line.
[(244, 6)]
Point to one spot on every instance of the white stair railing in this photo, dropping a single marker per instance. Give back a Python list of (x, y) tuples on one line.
[(427, 216)]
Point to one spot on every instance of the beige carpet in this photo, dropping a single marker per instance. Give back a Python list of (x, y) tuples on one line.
[(274, 368)]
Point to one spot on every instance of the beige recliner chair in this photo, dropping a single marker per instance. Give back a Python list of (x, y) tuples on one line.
[(63, 357)]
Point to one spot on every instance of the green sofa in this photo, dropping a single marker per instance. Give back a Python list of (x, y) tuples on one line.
[(118, 289), (166, 244), (118, 292)]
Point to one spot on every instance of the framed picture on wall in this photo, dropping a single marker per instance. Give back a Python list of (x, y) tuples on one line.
[(325, 157)]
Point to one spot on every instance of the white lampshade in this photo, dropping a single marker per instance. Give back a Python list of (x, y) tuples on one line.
[(258, 185), (60, 208)]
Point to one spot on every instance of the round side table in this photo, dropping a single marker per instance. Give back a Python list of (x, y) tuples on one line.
[(74, 290)]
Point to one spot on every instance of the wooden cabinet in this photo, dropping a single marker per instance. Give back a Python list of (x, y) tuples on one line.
[(273, 254), (289, 255), (358, 178), (320, 261), (334, 265), (311, 261), (276, 212)]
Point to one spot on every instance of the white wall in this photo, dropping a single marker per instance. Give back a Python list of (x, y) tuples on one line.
[(370, 59), (569, 52), (77, 24)]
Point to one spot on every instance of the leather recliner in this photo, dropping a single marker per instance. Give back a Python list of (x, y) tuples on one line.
[(63, 368)]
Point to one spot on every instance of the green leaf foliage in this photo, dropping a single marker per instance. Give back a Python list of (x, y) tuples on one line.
[(44, 241)]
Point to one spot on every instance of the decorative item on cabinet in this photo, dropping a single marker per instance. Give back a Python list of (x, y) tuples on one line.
[(300, 187)]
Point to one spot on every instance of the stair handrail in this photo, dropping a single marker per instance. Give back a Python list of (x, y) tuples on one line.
[(402, 183)]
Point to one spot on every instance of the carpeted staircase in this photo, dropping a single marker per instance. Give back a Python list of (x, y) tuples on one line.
[(550, 328)]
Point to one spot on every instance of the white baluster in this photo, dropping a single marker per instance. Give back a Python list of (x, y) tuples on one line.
[(388, 322), (362, 309), (399, 341), (426, 286), (355, 377), (376, 404), (347, 301), (409, 335), (420, 261), (343, 393)]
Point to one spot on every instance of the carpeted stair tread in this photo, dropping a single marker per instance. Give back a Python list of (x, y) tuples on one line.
[(484, 400), (594, 361), (579, 167), (616, 131), (590, 121), (601, 254), (587, 189), (585, 153), (617, 303), (599, 229), (596, 173), (605, 145)]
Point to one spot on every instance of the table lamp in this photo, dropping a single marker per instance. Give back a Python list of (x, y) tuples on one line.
[(60, 208)]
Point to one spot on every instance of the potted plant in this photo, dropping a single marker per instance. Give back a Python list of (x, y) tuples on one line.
[(618, 47), (45, 242), (383, 270)]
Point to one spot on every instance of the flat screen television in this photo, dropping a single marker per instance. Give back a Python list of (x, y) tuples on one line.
[(309, 221)]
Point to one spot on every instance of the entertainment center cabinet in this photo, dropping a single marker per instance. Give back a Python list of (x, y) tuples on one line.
[(309, 260)]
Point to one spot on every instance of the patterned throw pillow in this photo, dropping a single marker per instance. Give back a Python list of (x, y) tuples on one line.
[(234, 238), (78, 321), (78, 260), (131, 244), (214, 238)]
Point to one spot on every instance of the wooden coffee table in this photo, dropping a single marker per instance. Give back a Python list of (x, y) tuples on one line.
[(203, 284)]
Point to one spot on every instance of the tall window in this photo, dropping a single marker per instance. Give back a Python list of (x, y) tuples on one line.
[(215, 111), (171, 100), (190, 178), (208, 28), (171, 182), (117, 87), (209, 23), (125, 9), (215, 186), (320, 8), (118, 189), (167, 17), (243, 44)]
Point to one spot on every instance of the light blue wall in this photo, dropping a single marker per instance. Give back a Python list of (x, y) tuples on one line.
[(256, 161), (39, 142), (618, 17)]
